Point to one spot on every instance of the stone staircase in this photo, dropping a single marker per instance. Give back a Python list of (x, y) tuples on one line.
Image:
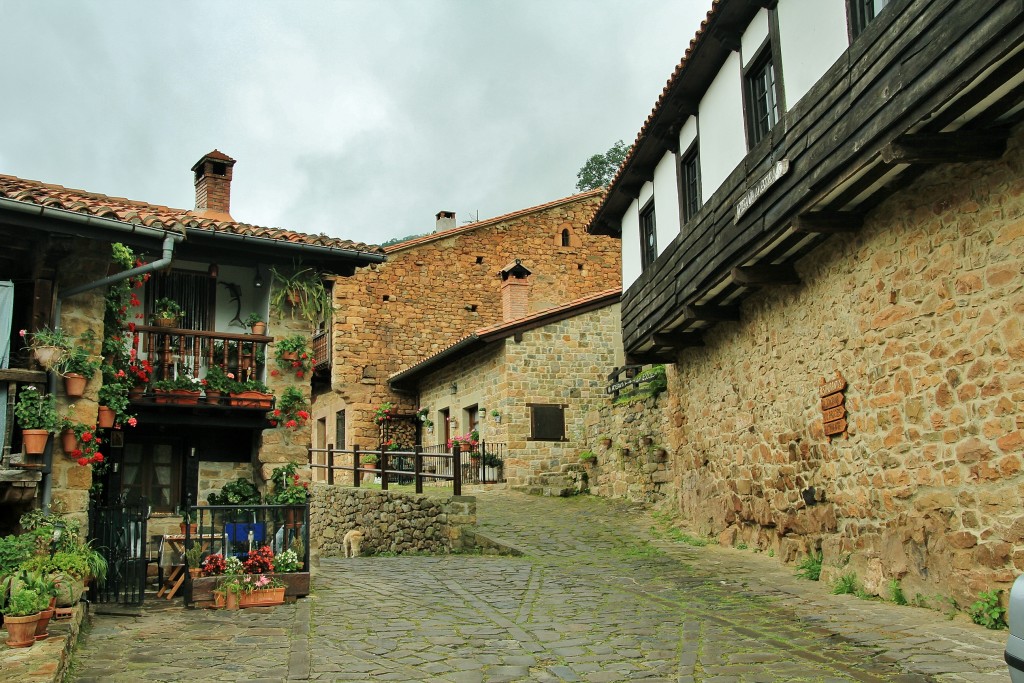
[(569, 480)]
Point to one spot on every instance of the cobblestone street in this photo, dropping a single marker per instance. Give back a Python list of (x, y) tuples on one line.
[(597, 596)]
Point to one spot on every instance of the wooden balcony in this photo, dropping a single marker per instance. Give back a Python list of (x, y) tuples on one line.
[(170, 348), (321, 343)]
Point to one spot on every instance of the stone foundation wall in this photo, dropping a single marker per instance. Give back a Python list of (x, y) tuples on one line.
[(390, 522), (921, 311)]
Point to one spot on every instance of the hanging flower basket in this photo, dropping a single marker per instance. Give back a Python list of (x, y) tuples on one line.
[(34, 440), (74, 384), (47, 356), (68, 441), (165, 322)]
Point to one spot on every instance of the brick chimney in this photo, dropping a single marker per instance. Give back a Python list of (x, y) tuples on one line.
[(515, 291), (213, 186), (444, 220)]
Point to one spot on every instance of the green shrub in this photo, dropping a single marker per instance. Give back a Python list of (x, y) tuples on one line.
[(846, 585), (896, 592), (987, 611), (810, 567)]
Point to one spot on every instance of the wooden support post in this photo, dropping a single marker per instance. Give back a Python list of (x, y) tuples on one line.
[(330, 464), (713, 313), (765, 275), (946, 148), (456, 470), (356, 474), (417, 465), (828, 222)]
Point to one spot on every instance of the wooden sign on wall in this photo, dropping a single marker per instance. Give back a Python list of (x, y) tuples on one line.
[(833, 410)]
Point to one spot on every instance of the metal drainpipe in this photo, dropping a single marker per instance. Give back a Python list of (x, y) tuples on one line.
[(163, 262)]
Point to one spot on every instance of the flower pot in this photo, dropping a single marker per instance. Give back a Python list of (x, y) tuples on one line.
[(289, 355), (259, 328), (262, 597), (47, 356), (252, 399), (68, 441), (21, 631), (34, 440), (192, 529), (135, 393), (44, 621), (220, 600), (195, 572), (74, 384), (213, 397), (231, 600), (165, 322), (105, 417)]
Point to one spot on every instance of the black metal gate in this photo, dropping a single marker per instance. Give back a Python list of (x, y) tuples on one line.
[(118, 531)]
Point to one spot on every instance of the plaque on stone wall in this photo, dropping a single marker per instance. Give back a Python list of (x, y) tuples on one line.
[(833, 410)]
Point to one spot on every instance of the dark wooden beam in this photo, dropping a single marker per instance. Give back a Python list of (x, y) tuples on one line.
[(728, 37), (828, 222), (766, 4), (649, 358), (765, 275), (668, 136), (678, 341), (945, 148), (631, 188), (712, 314)]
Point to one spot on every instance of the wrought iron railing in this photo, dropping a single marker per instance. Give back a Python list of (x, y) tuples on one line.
[(237, 529)]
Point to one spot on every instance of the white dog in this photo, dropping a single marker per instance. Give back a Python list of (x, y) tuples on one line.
[(351, 542)]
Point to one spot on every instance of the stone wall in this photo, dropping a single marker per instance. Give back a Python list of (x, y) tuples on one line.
[(633, 459), (921, 311), (435, 291), (213, 476), (390, 522)]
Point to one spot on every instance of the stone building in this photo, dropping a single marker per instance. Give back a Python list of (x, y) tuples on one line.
[(57, 265), (822, 237), (527, 383), (436, 289)]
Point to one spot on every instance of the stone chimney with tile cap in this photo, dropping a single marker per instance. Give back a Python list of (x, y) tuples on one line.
[(515, 291), (444, 220), (213, 186)]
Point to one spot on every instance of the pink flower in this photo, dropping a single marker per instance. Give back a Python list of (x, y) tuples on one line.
[(132, 422), (22, 332), (231, 375)]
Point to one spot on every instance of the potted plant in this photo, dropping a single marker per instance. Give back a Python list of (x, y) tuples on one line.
[(256, 324), (193, 559), (77, 367), (299, 290), (46, 588), (166, 312), (37, 416), (21, 614), (496, 415), (292, 409), (251, 393), (288, 489), (181, 390), (48, 346), (187, 526), (260, 590), (588, 459), (113, 399), (293, 354), (140, 372), (217, 383)]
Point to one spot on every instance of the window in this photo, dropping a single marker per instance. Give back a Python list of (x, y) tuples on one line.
[(547, 422), (691, 182), (153, 470), (472, 418), (194, 291), (762, 103), (565, 237), (648, 236), (862, 13), (339, 429)]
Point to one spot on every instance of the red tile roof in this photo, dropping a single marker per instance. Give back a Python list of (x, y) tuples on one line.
[(392, 248), (154, 215)]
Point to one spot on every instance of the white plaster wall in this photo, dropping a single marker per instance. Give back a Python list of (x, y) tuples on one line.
[(755, 33), (646, 192), (253, 300), (666, 201), (631, 245), (687, 134), (723, 142), (813, 35)]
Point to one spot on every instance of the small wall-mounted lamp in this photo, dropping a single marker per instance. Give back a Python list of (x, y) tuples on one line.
[(454, 388), (257, 281)]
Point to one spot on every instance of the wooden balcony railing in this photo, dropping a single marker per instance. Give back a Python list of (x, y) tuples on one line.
[(321, 350), (188, 350)]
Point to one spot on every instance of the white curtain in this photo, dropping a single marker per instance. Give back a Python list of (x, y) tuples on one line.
[(6, 320)]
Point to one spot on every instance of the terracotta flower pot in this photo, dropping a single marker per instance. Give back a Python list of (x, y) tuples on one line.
[(213, 397), (259, 328), (252, 399), (44, 621), (105, 417), (21, 631), (47, 356), (289, 355), (68, 441), (74, 384), (220, 600), (231, 599), (262, 597), (34, 440), (135, 393)]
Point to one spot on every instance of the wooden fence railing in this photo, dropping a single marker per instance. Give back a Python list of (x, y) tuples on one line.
[(391, 466)]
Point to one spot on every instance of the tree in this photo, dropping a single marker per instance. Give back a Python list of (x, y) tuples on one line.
[(600, 168)]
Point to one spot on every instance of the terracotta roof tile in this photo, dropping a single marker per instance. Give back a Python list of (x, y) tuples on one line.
[(155, 215)]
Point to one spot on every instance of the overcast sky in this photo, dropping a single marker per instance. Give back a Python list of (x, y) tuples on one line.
[(357, 118)]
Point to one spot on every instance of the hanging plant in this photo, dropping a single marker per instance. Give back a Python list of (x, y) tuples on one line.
[(299, 290), (384, 413), (292, 410), (293, 355)]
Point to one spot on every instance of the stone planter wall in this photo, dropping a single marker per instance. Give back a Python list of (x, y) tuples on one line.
[(391, 522)]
